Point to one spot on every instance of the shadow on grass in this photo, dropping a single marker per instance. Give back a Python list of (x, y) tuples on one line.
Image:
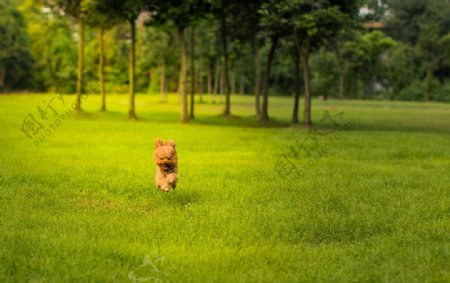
[(99, 115), (238, 121), (384, 127), (111, 115), (172, 117), (179, 197), (207, 120), (253, 122)]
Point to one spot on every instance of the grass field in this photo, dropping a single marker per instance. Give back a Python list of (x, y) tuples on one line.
[(371, 203)]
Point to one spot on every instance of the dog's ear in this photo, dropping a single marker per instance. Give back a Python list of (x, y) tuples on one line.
[(158, 143), (171, 143)]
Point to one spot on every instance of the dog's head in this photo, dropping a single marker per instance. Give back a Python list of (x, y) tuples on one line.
[(165, 154)]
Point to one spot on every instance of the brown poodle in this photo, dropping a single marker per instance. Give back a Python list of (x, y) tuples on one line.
[(166, 164)]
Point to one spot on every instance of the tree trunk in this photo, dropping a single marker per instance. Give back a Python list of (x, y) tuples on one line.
[(162, 81), (356, 84), (131, 107), (227, 111), (341, 80), (200, 88), (257, 78), (2, 78), (265, 104), (303, 51), (221, 81), (80, 66), (216, 82), (297, 86), (306, 83), (372, 84), (101, 69), (391, 95), (151, 76), (209, 79), (233, 82), (241, 83), (182, 83), (191, 112), (216, 78), (200, 82), (428, 80), (341, 67)]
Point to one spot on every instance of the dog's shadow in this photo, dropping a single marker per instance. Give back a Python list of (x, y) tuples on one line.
[(178, 197)]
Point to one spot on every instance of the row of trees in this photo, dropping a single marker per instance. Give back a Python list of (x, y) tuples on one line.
[(309, 23), (296, 46)]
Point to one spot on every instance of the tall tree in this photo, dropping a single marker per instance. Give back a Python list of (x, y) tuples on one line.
[(243, 29), (73, 9), (126, 10), (265, 103), (181, 14), (257, 86), (315, 23), (95, 18), (400, 69), (204, 54), (222, 12), (297, 87), (345, 35), (275, 25), (363, 54), (157, 53)]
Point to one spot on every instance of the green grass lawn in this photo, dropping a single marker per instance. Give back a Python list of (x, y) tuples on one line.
[(371, 203)]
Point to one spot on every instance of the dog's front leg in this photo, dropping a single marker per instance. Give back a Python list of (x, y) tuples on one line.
[(172, 178)]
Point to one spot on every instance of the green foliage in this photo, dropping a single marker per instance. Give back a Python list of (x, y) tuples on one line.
[(94, 14), (66, 7), (321, 21), (324, 80), (15, 59), (156, 48), (401, 69), (179, 13), (243, 21), (52, 47), (117, 59), (366, 49), (416, 88), (445, 43), (282, 79), (121, 10), (365, 54), (410, 19), (442, 92), (275, 17), (423, 24)]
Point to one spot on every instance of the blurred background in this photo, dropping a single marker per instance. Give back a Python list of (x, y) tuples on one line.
[(372, 49)]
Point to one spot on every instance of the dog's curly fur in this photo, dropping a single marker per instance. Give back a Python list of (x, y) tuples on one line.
[(166, 160)]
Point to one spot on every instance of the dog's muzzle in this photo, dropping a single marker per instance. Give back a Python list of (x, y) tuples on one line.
[(167, 167)]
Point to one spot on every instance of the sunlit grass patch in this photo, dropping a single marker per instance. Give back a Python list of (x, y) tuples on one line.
[(83, 205)]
